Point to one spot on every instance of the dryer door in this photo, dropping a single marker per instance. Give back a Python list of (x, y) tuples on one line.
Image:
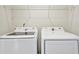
[(61, 47)]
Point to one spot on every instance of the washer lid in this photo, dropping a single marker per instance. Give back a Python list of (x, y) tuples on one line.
[(18, 36)]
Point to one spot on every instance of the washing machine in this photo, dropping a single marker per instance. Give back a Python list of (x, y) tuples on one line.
[(23, 40), (54, 40)]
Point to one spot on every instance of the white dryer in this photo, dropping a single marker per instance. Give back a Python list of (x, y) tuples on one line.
[(54, 40)]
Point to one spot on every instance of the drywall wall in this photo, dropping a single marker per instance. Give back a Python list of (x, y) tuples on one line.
[(42, 16), (5, 20), (8, 14), (75, 21), (20, 15)]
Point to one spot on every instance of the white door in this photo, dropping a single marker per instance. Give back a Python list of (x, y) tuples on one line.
[(61, 47)]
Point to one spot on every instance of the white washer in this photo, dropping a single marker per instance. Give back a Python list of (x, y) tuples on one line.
[(54, 40), (23, 42)]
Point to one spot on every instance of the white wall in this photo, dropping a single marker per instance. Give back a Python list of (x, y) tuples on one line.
[(4, 20), (75, 21), (6, 24), (42, 16), (59, 16), (20, 15)]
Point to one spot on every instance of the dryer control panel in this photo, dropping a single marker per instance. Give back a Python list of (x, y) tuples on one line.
[(57, 29), (53, 29)]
